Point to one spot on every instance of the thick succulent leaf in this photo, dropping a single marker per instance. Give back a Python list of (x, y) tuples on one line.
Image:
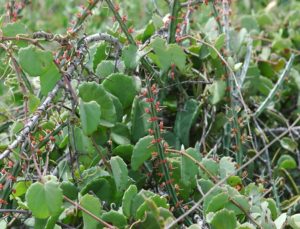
[(124, 87), (44, 200), (92, 91), (185, 120), (93, 205), (167, 55), (105, 68), (38, 62), (120, 172), (188, 167), (115, 218), (142, 152), (128, 197), (217, 91), (224, 219), (139, 119), (90, 113)]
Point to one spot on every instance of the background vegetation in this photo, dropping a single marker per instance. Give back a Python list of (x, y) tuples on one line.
[(149, 114)]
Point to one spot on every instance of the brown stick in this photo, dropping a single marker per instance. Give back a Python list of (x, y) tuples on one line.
[(89, 213)]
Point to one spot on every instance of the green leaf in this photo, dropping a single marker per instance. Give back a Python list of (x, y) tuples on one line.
[(39, 63), (118, 107), (40, 223), (289, 144), (120, 172), (128, 197), (139, 119), (89, 115), (224, 219), (217, 91), (287, 162), (93, 205), (105, 68), (99, 186), (166, 55), (151, 204), (99, 55), (115, 218), (92, 91), (211, 166), (157, 21), (123, 87), (69, 190), (35, 61), (44, 200), (120, 134), (13, 29), (130, 56), (227, 167), (294, 221), (33, 103), (142, 152), (188, 167), (241, 200), (233, 181), (273, 208), (280, 221), (249, 22), (21, 188), (218, 45), (124, 151), (49, 79), (185, 120), (217, 203)]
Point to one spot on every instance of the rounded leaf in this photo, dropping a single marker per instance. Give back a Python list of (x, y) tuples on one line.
[(142, 152), (44, 200), (89, 115), (123, 87)]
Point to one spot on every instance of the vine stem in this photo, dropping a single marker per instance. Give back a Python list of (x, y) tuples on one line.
[(245, 165), (88, 212), (272, 93)]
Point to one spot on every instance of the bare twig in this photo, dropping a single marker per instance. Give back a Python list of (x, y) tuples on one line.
[(191, 3), (269, 98), (89, 213)]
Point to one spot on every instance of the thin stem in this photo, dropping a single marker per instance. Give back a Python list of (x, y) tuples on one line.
[(272, 93), (175, 7), (88, 212)]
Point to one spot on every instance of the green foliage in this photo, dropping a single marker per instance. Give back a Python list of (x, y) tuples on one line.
[(44, 200), (90, 113), (123, 87), (142, 152), (39, 63), (93, 205), (120, 173), (90, 92), (166, 55)]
